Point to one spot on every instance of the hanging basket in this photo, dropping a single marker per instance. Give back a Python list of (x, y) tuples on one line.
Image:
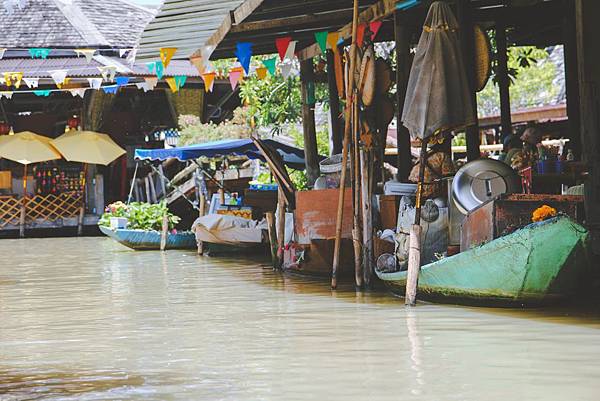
[(483, 60)]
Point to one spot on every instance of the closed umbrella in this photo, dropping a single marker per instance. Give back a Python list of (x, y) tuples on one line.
[(87, 147), (26, 148), (438, 99)]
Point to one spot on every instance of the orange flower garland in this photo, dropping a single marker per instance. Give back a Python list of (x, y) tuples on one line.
[(542, 213)]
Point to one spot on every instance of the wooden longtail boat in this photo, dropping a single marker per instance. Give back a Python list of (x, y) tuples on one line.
[(150, 240), (535, 265)]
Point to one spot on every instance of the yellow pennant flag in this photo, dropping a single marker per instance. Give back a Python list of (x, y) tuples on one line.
[(332, 40), (172, 84), (261, 72), (13, 78), (65, 83), (209, 81), (166, 54)]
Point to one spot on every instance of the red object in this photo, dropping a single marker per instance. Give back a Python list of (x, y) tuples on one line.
[(360, 34), (282, 45), (4, 128), (374, 27), (73, 122)]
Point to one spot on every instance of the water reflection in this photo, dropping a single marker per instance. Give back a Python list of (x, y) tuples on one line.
[(85, 319)]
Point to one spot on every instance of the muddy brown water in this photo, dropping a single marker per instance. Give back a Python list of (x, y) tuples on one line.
[(86, 319)]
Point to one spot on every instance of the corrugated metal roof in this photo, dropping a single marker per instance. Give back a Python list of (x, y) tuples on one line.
[(185, 24)]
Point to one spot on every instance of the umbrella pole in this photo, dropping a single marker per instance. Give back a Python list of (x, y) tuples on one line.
[(82, 208), (23, 204), (348, 117), (414, 251)]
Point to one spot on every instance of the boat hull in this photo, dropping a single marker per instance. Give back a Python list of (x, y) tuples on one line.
[(141, 240), (539, 264)]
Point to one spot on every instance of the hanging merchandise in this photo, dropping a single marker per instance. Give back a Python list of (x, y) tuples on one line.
[(95, 83), (234, 77), (2, 51), (209, 81), (13, 78), (291, 51), (332, 40), (261, 72), (270, 64), (87, 53), (110, 89), (321, 38), (39, 52), (43, 92), (243, 53), (166, 54), (120, 81), (108, 72), (31, 82), (282, 45), (58, 76)]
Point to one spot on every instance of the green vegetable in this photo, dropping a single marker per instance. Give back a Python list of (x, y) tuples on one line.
[(140, 216)]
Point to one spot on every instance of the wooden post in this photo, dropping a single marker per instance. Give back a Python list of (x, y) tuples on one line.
[(347, 130), (83, 195), (402, 37), (280, 227), (23, 204), (201, 212), (138, 194), (164, 232), (503, 79), (147, 184), (571, 80), (587, 15), (465, 22), (308, 122), (272, 237), (356, 201), (335, 129), (366, 168)]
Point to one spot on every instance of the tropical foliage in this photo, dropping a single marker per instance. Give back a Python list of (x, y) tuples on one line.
[(192, 130), (140, 216)]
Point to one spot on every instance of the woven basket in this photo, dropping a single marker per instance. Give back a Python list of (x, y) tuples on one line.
[(483, 66)]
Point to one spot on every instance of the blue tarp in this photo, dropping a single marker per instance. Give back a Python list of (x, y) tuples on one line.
[(292, 156)]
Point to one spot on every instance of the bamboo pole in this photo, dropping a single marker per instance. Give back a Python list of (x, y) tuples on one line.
[(280, 226), (164, 232), (272, 237), (414, 251), (349, 100), (366, 167), (356, 206)]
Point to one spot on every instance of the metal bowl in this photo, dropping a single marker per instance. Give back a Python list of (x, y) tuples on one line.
[(481, 180)]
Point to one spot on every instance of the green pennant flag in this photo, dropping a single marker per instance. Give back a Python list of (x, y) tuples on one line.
[(321, 38), (270, 65)]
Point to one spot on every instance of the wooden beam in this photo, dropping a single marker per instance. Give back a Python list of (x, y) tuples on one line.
[(377, 11), (503, 79), (308, 121), (335, 128), (289, 23), (403, 64), (571, 80)]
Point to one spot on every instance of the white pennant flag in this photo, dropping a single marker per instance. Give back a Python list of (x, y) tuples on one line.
[(286, 69), (141, 85), (87, 53), (6, 94), (291, 51), (108, 72), (2, 51), (122, 52), (78, 92), (95, 83), (131, 57), (31, 82), (151, 83), (59, 76)]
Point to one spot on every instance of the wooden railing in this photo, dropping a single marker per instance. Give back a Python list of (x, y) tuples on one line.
[(40, 208), (10, 210)]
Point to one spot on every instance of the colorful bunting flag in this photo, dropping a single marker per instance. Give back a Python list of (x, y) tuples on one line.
[(270, 64), (286, 69), (332, 40), (122, 81), (209, 80), (321, 38), (39, 52), (261, 72), (110, 89), (244, 53), (108, 72), (58, 76), (6, 94), (95, 83), (282, 45), (31, 82), (2, 51), (360, 34), (157, 68), (166, 54), (78, 92), (291, 51), (374, 28), (42, 92), (64, 83), (131, 57), (176, 82), (234, 77), (13, 78), (87, 53), (151, 82), (180, 80)]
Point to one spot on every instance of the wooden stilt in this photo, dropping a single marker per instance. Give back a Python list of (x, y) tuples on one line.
[(280, 226), (23, 204), (366, 167), (340, 209), (164, 232), (356, 204), (272, 237), (83, 195), (402, 36)]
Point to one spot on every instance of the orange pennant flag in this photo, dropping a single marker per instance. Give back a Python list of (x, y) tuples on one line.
[(209, 81), (332, 40), (261, 72), (198, 62), (166, 54)]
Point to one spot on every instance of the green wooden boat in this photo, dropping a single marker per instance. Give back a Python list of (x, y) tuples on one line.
[(537, 264)]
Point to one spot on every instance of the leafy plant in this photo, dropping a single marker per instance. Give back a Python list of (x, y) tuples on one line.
[(140, 216), (192, 131)]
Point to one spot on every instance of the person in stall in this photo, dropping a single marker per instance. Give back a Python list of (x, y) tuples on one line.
[(528, 156), (438, 165), (512, 145)]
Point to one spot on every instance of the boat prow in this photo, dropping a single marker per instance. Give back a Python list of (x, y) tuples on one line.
[(537, 264), (150, 240)]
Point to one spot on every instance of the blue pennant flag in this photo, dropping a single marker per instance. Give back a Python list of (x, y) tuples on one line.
[(42, 92), (39, 52), (180, 80), (244, 53), (122, 81), (110, 89)]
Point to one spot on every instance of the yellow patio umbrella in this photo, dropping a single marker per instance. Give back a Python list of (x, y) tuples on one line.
[(26, 148), (88, 147)]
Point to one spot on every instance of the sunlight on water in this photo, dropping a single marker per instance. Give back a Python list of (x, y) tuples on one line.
[(86, 319)]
